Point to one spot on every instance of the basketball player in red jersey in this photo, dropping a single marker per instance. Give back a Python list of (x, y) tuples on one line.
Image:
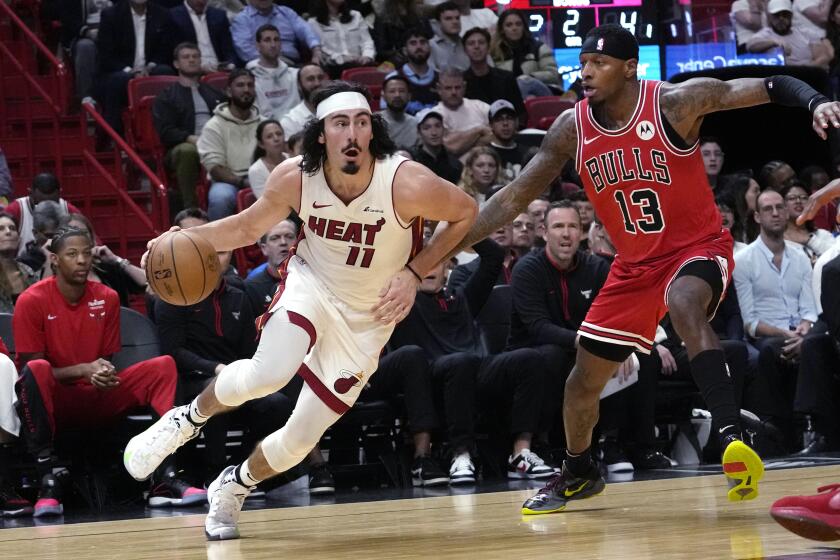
[(635, 146), (350, 277)]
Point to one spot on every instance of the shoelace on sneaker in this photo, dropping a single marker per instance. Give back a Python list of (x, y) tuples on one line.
[(533, 458), (228, 503), (174, 437), (462, 462)]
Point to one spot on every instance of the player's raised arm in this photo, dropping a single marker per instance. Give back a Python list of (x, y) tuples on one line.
[(559, 145), (686, 103)]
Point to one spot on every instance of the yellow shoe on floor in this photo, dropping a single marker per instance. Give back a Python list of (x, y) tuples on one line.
[(743, 468)]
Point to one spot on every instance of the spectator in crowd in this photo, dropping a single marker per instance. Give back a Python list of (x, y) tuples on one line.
[(431, 150), (44, 186), (422, 78), (516, 239), (115, 272), (68, 381), (12, 504), (6, 186), (295, 35), (817, 282), (813, 241), (275, 81), (309, 78), (800, 49), (447, 49), (485, 82), (713, 158), (227, 142), (344, 36), (208, 27), (532, 62), (442, 322), (179, 113), (134, 40), (599, 241), (537, 209), (465, 121), (402, 127), (483, 18), (275, 245), (45, 221), (587, 215), (270, 151), (775, 175), (15, 276), (815, 177), (294, 143), (748, 17), (79, 29), (811, 17), (829, 301), (202, 339), (552, 291), (392, 22), (481, 173), (504, 123), (773, 281), (729, 220), (231, 7), (742, 190)]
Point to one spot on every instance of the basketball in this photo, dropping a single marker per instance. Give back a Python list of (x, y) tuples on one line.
[(182, 268)]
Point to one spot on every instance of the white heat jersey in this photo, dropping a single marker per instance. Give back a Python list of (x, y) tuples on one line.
[(355, 248)]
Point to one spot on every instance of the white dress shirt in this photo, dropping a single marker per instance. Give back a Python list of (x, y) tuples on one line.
[(139, 40), (202, 37)]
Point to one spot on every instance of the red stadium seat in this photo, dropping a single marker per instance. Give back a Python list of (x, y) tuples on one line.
[(139, 128), (369, 77), (244, 199), (217, 80), (539, 108), (138, 88), (247, 258)]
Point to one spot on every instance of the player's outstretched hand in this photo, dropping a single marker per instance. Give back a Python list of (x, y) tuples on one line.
[(819, 199), (396, 298), (151, 244), (825, 115)]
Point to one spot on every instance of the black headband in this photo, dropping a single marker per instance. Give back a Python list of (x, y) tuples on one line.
[(622, 46)]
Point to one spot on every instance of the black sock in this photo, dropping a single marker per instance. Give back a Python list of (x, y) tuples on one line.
[(712, 377), (579, 464)]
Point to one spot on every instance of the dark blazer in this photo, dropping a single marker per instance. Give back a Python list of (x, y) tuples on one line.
[(116, 37), (217, 25), (174, 112), (830, 296)]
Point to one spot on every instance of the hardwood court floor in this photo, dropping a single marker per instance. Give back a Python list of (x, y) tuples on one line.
[(685, 518)]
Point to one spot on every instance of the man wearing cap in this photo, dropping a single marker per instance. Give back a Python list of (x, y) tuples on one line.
[(349, 280), (635, 146), (401, 127), (484, 82), (465, 121), (430, 150), (798, 49), (504, 123)]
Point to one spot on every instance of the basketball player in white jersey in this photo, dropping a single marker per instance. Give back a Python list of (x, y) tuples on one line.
[(349, 279)]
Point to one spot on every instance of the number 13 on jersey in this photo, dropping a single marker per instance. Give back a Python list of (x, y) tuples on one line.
[(651, 220)]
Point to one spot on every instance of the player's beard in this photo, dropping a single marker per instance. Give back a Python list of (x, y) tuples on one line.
[(350, 168)]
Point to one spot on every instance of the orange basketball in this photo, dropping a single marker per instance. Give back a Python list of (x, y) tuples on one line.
[(182, 268)]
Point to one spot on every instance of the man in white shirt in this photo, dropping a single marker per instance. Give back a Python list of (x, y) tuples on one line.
[(798, 48), (480, 17), (402, 128), (208, 27), (810, 17), (276, 81), (748, 17), (465, 121), (309, 78), (446, 46)]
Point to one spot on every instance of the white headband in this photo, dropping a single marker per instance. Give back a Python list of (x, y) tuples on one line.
[(344, 101)]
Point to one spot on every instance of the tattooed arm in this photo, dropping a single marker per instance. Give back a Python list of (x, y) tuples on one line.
[(559, 145)]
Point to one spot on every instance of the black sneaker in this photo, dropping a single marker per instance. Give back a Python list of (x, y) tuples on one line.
[(49, 497), (614, 458), (321, 480), (425, 472), (12, 504), (649, 459), (561, 488), (174, 492)]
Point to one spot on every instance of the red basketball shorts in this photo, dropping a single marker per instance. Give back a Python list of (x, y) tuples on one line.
[(634, 298)]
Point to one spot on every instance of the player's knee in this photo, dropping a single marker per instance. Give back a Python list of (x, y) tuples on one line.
[(283, 450), (245, 380), (163, 366)]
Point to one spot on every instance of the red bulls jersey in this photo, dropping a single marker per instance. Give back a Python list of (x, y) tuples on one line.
[(652, 197)]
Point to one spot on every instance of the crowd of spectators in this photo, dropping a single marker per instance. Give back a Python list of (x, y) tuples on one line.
[(454, 81)]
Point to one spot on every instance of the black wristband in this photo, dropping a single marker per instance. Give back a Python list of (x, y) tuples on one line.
[(408, 266), (792, 92)]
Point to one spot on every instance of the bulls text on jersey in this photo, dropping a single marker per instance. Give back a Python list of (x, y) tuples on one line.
[(620, 165)]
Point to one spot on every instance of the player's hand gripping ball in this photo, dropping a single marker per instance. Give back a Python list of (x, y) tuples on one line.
[(182, 267)]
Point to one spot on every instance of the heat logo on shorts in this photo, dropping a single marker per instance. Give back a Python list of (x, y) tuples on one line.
[(347, 380)]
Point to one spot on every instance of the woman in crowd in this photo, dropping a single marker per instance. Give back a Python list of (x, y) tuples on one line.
[(514, 49), (481, 173), (15, 276), (730, 220), (344, 34), (814, 241), (741, 191), (270, 151)]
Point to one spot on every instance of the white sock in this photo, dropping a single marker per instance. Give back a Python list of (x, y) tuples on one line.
[(196, 417), (242, 476)]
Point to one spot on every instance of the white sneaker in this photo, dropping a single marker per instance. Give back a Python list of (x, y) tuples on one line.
[(146, 451), (462, 470), (226, 497), (528, 465)]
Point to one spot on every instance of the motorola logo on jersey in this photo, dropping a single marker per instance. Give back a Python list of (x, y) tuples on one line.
[(645, 130), (619, 165)]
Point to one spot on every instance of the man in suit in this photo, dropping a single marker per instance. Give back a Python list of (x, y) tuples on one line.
[(133, 41), (193, 21)]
